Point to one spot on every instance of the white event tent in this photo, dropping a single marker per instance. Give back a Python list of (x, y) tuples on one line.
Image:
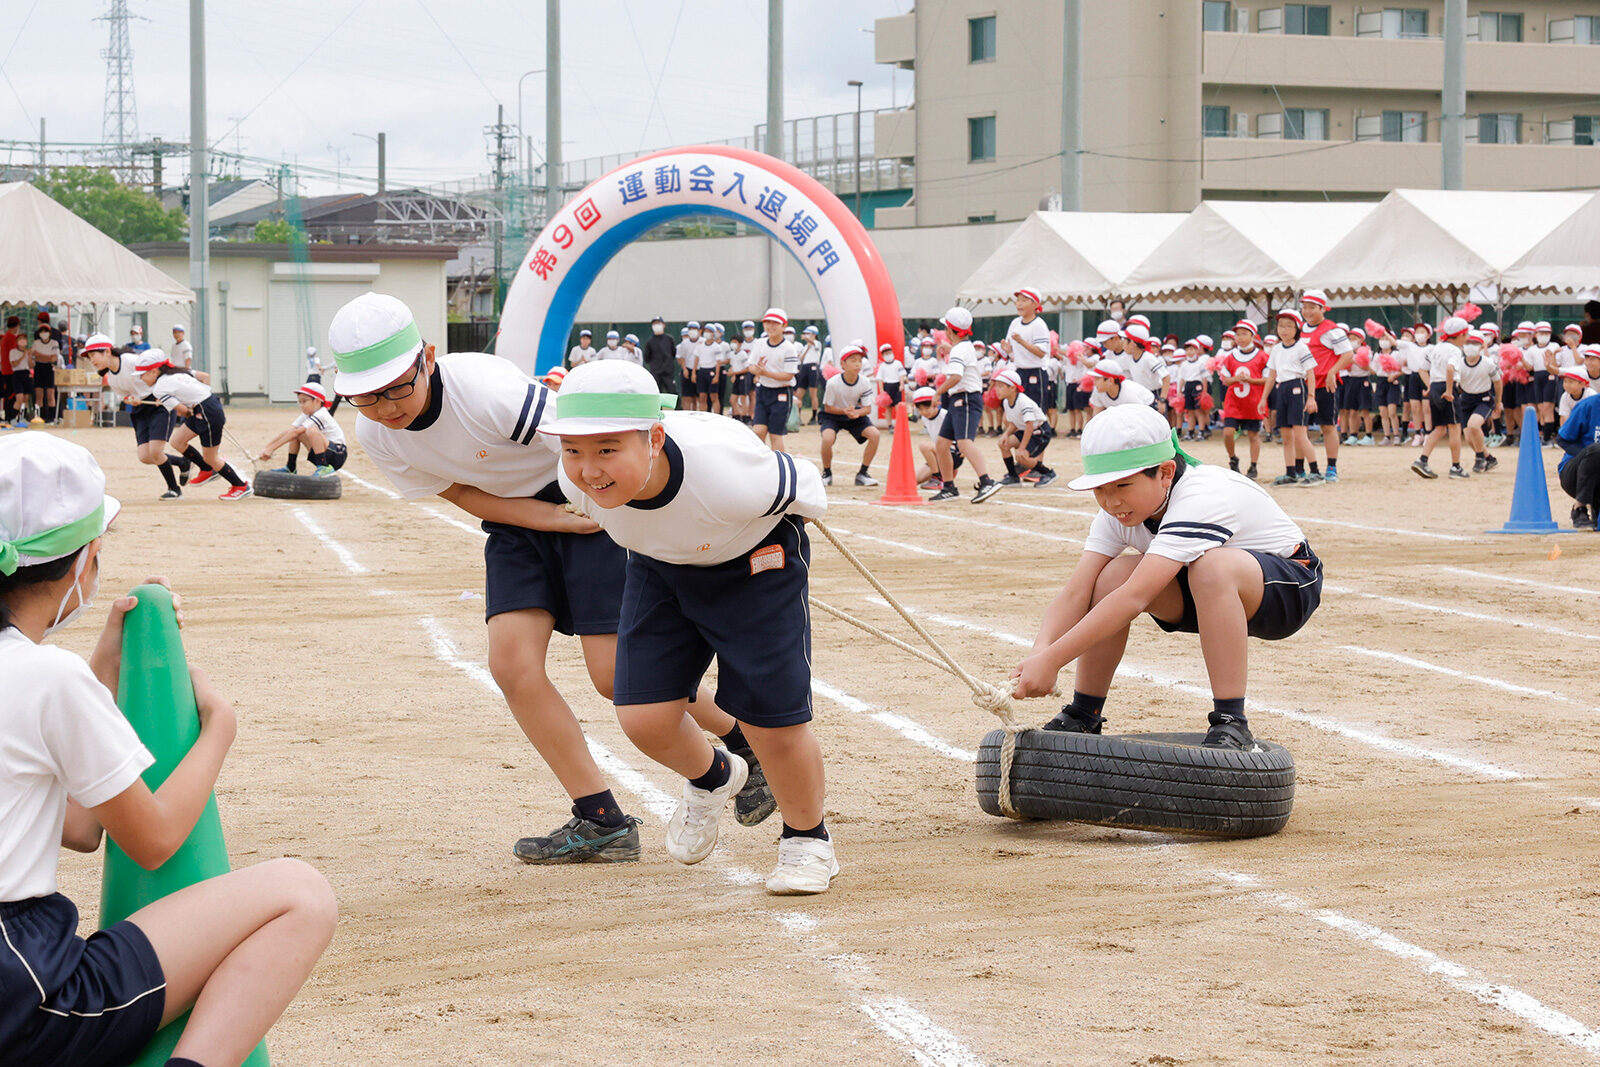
[(1074, 259), (54, 257), (1566, 261)]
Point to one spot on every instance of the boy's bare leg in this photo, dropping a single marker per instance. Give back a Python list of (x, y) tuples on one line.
[(665, 732), (1255, 447), (871, 448), (1226, 585), (793, 762), (827, 448), (518, 643)]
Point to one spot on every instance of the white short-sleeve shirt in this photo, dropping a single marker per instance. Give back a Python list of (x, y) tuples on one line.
[(126, 383), (61, 736), (1036, 333), (726, 492), (842, 394), (780, 358), (1127, 393), (1023, 412), (1210, 507), (1148, 370), (1291, 363), (175, 389), (484, 433), (1194, 370), (1479, 378), (963, 363), (324, 422)]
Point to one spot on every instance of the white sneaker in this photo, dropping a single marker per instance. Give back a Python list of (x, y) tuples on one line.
[(692, 830), (805, 865)]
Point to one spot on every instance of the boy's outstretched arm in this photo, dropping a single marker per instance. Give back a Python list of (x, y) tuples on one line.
[(527, 512), (1036, 675)]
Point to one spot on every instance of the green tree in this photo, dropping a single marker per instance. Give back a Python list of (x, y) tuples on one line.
[(121, 212), (276, 232)]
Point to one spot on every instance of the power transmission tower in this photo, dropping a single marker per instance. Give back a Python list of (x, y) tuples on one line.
[(502, 150), (119, 127)]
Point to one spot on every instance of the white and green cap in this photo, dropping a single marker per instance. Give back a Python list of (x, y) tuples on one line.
[(374, 339), (608, 396), (1125, 440), (52, 500)]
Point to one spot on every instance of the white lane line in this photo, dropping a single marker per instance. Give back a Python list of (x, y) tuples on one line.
[(1493, 683), (351, 564), (1440, 609), (467, 527), (1536, 1014), (1382, 529), (385, 490), (1358, 734), (929, 1042), (909, 729), (932, 512), (1043, 507), (1579, 590), (892, 544)]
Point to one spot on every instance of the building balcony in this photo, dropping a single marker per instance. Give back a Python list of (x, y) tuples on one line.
[(895, 134), (895, 40), (1363, 169), (1383, 64)]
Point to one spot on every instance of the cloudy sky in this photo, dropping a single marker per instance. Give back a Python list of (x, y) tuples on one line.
[(298, 80)]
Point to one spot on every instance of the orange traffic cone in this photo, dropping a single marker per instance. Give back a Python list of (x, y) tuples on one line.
[(902, 487)]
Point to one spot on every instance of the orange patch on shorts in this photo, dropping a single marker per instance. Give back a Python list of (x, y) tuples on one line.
[(770, 558)]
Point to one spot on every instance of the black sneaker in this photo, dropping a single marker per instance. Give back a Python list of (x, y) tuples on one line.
[(172, 494), (753, 803), (1420, 465), (948, 492), (827, 478), (1490, 462), (1010, 479), (1477, 465), (1045, 479), (986, 489), (183, 474), (1071, 721), (1251, 473), (1581, 519), (581, 841), (1228, 732), (1456, 471), (1233, 464)]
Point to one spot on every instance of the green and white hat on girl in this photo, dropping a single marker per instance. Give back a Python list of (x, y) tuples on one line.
[(1124, 440), (608, 396), (374, 339), (52, 500)]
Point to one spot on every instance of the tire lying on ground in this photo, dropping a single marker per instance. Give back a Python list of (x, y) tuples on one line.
[(281, 485), (1165, 782)]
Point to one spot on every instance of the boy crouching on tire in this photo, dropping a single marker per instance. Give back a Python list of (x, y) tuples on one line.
[(1213, 554), (313, 427), (718, 565)]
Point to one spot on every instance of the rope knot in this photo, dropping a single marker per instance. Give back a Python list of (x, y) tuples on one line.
[(997, 702)]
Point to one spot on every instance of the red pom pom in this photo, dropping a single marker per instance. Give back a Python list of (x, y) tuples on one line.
[(940, 380), (1470, 312), (1363, 358), (1375, 328), (1389, 364), (830, 371), (1214, 364), (1206, 402), (1075, 352), (1086, 384), (1512, 369), (921, 376)]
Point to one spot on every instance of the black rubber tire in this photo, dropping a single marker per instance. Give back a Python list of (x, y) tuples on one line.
[(1164, 782), (280, 485)]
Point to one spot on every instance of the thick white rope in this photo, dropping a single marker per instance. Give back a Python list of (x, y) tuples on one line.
[(990, 698)]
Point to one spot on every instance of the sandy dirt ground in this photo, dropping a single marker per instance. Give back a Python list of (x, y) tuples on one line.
[(1432, 901)]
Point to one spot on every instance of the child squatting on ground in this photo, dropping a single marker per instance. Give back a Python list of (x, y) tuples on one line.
[(1213, 554), (234, 949), (314, 428), (465, 427), (718, 565)]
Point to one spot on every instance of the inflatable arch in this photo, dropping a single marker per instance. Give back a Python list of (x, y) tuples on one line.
[(828, 241)]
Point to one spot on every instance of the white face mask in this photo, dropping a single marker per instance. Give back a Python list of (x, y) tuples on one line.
[(694, 335), (658, 327), (750, 333), (1116, 316), (83, 601), (1385, 343), (611, 342), (1541, 338), (1472, 348)]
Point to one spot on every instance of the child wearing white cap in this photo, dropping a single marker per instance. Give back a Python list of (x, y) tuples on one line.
[(847, 402), (584, 350), (741, 383), (1027, 431), (1478, 376), (718, 565), (152, 422), (465, 427), (1112, 388), (1333, 351), (1212, 554), (809, 384), (200, 418), (1440, 379), (963, 392), (776, 367), (314, 428), (1290, 366), (1027, 345), (235, 949)]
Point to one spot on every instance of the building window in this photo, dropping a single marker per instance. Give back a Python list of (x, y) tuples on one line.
[(1501, 128), (980, 139), (1407, 23), (1499, 26), (1214, 121), (1581, 29), (1586, 129), (980, 39), (978, 219), (1218, 16), (1305, 124), (1308, 19), (1405, 126)]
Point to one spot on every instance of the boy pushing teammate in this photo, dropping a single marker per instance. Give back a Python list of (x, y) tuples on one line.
[(718, 565), (465, 427)]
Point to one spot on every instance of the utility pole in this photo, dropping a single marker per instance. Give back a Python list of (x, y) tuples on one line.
[(199, 224), (498, 156), (41, 143), (156, 176), (856, 85), (1453, 127), (383, 162), (774, 144), (1072, 105), (552, 108)]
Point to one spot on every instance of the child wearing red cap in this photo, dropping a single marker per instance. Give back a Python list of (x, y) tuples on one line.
[(1244, 377), (314, 428)]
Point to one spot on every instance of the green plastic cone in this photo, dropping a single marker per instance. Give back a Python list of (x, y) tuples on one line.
[(156, 696)]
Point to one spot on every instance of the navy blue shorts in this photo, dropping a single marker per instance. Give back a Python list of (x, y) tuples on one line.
[(686, 384), (102, 997), (1191, 396), (704, 381), (22, 383), (1355, 394), (1413, 383), (1247, 425), (1291, 590), (1391, 393), (964, 415), (1077, 399), (1470, 404), (743, 385), (207, 422), (809, 376), (756, 623), (1547, 386), (772, 409), (1444, 411), (1042, 436), (151, 422), (44, 375), (575, 577), (332, 456), (1036, 384), (893, 389), (856, 427), (1291, 403), (1327, 412)]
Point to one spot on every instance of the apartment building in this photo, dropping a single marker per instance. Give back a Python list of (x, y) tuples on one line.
[(1186, 100)]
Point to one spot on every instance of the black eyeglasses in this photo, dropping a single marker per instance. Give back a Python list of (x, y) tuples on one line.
[(394, 392)]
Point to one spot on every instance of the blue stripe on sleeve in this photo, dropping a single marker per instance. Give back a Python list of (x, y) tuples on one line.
[(522, 418)]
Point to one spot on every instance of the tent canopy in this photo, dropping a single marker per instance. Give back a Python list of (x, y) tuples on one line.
[(1422, 241), (1073, 258), (1566, 261), (1239, 250), (54, 257)]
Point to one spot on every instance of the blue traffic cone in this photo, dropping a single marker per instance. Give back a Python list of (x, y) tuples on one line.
[(1530, 497)]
